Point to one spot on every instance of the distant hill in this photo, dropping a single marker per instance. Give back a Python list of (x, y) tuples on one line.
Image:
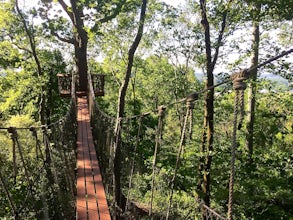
[(275, 78), (269, 76)]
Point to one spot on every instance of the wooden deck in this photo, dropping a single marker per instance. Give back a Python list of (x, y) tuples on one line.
[(91, 200)]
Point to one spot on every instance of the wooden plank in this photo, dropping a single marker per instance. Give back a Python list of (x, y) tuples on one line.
[(91, 197), (81, 206), (99, 187), (92, 202)]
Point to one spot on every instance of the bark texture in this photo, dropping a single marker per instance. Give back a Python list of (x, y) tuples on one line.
[(121, 107), (205, 162), (252, 88)]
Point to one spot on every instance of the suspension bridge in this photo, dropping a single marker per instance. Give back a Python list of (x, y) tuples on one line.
[(66, 167)]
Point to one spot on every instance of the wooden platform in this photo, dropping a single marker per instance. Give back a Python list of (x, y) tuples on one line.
[(91, 200)]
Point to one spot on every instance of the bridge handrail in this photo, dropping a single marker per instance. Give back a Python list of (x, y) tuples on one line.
[(209, 213), (54, 146), (93, 107)]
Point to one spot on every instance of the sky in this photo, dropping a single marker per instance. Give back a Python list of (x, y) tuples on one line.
[(170, 2), (174, 3)]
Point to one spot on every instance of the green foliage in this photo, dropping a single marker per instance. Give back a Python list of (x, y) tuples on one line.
[(262, 188), (9, 55), (17, 93), (20, 89), (163, 73), (278, 9), (37, 175), (263, 183)]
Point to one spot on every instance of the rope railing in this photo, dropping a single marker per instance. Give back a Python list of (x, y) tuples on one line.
[(38, 175), (103, 133), (226, 81), (159, 129), (32, 177), (190, 101), (210, 214)]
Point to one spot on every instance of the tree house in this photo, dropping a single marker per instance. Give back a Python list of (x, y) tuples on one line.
[(65, 84), (98, 82)]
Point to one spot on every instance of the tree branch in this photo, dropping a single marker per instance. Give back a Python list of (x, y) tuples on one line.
[(140, 29), (65, 8), (32, 43), (117, 10), (31, 38), (70, 41), (18, 46), (115, 13), (22, 48), (206, 26), (220, 36)]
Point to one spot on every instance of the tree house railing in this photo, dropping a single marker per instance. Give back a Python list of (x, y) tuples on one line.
[(65, 84), (98, 82)]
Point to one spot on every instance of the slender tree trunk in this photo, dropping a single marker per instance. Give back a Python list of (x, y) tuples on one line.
[(208, 127), (31, 39), (252, 89), (32, 43), (205, 162), (207, 143), (120, 113)]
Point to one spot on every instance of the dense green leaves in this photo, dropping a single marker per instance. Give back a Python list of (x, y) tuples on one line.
[(172, 50)]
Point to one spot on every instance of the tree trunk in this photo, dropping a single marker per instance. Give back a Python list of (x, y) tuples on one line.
[(120, 113), (208, 127), (32, 43), (207, 143), (205, 162), (252, 88), (80, 45), (80, 53)]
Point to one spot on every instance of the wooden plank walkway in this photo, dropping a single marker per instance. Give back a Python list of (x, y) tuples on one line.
[(91, 200)]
